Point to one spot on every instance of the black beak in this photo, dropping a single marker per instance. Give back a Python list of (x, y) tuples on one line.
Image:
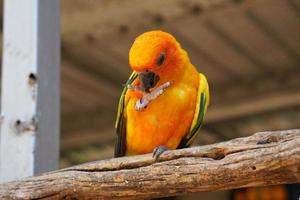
[(148, 80)]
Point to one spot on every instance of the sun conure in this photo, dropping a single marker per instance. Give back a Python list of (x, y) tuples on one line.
[(164, 100)]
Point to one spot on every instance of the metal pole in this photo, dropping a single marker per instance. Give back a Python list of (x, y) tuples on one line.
[(30, 96)]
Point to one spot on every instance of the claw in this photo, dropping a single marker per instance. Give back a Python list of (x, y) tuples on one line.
[(158, 151), (135, 88)]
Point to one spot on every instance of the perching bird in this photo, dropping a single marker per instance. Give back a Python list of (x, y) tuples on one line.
[(164, 100)]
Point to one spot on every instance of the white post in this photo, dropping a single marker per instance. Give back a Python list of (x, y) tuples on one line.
[(30, 96)]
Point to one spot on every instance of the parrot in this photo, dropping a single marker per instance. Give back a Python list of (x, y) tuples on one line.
[(164, 101)]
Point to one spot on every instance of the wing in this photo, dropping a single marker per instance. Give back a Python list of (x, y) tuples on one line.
[(120, 124), (201, 107)]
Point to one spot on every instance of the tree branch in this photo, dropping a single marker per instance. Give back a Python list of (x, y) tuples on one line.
[(265, 158)]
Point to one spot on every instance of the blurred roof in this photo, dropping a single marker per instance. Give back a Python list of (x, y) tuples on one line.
[(249, 50)]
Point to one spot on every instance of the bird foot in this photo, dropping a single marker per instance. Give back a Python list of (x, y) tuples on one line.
[(135, 88), (148, 97), (158, 151)]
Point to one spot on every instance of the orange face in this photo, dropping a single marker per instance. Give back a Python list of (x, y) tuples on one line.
[(152, 55)]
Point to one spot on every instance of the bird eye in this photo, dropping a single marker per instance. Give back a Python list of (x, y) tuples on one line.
[(161, 59)]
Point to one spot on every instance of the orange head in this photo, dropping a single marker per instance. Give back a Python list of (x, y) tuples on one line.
[(153, 54)]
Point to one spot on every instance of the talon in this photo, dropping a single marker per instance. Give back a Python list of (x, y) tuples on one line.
[(158, 151), (134, 88)]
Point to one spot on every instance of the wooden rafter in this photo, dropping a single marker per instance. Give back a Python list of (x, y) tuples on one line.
[(252, 106)]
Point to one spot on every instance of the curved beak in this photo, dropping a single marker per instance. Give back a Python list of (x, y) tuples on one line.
[(148, 80)]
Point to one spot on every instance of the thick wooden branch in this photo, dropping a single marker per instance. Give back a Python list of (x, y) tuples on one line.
[(265, 158)]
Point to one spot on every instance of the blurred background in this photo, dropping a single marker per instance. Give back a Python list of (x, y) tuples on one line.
[(248, 49)]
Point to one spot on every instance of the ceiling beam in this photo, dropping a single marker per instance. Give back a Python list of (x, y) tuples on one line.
[(255, 105), (264, 26), (259, 84), (92, 62), (89, 136)]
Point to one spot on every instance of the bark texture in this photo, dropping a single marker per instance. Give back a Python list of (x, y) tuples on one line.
[(265, 158)]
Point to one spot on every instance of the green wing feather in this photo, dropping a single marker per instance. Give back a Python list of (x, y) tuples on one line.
[(203, 101), (120, 124)]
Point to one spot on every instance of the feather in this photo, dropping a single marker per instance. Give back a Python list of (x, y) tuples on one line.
[(203, 101), (120, 125)]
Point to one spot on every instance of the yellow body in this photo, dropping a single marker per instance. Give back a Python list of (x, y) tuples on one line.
[(172, 115)]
